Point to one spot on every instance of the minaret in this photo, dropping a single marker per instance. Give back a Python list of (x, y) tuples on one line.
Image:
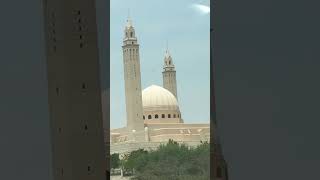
[(74, 92), (132, 78), (169, 74)]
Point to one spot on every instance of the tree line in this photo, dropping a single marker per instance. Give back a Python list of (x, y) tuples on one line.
[(170, 161)]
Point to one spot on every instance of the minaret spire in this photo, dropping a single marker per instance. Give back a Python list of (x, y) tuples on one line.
[(129, 21), (169, 73), (167, 46)]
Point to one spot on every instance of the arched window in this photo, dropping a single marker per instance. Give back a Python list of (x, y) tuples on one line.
[(163, 116), (156, 116), (149, 116), (131, 34), (144, 117), (169, 62), (178, 115), (169, 115), (174, 116)]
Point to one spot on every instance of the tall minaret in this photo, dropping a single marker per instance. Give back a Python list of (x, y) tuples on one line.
[(74, 92), (169, 74), (132, 77)]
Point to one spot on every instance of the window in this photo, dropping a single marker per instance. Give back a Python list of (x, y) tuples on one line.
[(131, 34), (163, 116), (85, 127), (169, 62), (169, 115), (178, 115), (156, 116), (80, 36), (57, 91), (59, 129), (81, 45), (132, 42), (219, 172), (174, 116), (144, 117), (149, 116), (84, 86)]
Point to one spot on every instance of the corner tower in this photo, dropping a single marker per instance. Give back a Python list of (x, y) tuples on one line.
[(169, 74), (132, 78)]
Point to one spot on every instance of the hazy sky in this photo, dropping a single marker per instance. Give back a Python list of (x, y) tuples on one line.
[(186, 28)]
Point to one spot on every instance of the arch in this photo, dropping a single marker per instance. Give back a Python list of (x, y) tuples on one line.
[(169, 115), (156, 116), (163, 115), (169, 62), (149, 116)]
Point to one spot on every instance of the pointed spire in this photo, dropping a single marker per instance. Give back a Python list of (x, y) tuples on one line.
[(167, 46), (129, 21), (167, 54)]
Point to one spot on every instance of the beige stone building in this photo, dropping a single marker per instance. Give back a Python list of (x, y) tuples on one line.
[(153, 115)]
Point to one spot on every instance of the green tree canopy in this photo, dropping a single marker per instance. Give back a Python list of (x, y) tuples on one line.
[(114, 161), (171, 161)]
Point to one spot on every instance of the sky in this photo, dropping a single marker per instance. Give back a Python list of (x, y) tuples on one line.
[(186, 28)]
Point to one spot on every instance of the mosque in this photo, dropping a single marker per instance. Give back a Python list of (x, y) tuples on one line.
[(153, 115)]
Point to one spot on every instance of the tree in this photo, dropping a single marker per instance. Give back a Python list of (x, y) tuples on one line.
[(114, 161), (171, 161)]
